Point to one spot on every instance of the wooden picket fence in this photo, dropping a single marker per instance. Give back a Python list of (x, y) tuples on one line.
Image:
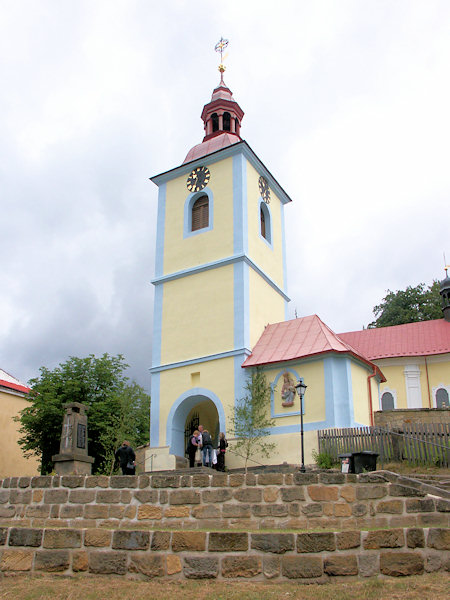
[(415, 443)]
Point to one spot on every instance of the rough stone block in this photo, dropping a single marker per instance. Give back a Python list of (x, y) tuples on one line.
[(163, 497), (305, 478), (147, 564), (146, 496), (108, 563), (270, 494), (320, 493), (219, 480), (294, 509), (270, 479), (241, 566), (3, 535), (433, 562), (442, 505), (185, 541), (397, 564), (24, 482), (292, 494), (160, 540), (220, 495), (201, 568), (208, 511), (348, 492), (126, 496), (56, 496), (173, 564), (250, 479), (301, 567), (70, 511), (96, 511), (342, 564), (177, 512), (73, 481), (342, 510), (228, 542), (393, 538), (40, 511), (332, 477), (370, 492), (200, 480), (390, 507), (81, 496), (80, 561), (20, 496), (148, 511), (271, 566), (403, 521), (131, 540), (93, 481), (419, 505), (316, 542), (143, 481), (165, 481), (4, 496), (248, 495), (439, 538), (415, 538), (401, 490), (52, 560), (236, 479), (369, 565), (432, 519), (276, 543), (348, 539), (98, 538), (359, 510), (108, 496), (25, 537), (7, 511), (124, 481), (279, 510), (16, 560), (312, 509), (184, 497), (41, 481), (62, 538), (236, 511), (38, 495)]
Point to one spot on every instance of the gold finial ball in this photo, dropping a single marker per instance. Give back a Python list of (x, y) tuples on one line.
[(221, 68)]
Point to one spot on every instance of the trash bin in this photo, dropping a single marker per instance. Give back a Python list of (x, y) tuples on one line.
[(347, 463), (364, 461)]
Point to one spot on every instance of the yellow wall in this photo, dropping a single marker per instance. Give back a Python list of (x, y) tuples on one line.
[(182, 253), (216, 376), (269, 259), (12, 461), (266, 306), (361, 394), (191, 327)]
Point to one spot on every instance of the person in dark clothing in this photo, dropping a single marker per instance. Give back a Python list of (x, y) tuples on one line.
[(126, 457), (223, 444), (192, 448), (207, 448)]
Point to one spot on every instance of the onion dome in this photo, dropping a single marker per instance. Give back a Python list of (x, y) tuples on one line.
[(222, 118)]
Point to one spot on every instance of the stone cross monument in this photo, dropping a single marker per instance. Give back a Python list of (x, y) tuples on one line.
[(73, 451)]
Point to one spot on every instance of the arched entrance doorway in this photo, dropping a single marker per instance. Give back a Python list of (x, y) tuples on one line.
[(199, 404)]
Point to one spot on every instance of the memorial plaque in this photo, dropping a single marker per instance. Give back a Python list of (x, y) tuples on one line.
[(81, 435)]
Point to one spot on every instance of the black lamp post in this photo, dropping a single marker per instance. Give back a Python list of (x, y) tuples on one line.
[(301, 389)]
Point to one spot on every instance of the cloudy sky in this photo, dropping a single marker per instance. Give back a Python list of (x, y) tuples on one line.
[(346, 102)]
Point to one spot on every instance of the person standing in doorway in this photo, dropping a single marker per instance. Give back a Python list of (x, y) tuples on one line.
[(207, 448), (126, 457), (223, 445), (192, 448)]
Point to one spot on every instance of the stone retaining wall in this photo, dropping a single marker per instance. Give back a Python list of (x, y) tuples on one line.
[(280, 501), (232, 555)]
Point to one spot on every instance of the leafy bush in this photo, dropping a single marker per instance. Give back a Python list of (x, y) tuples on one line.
[(324, 460)]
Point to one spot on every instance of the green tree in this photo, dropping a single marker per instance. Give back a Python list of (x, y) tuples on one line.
[(117, 409), (251, 422), (420, 303)]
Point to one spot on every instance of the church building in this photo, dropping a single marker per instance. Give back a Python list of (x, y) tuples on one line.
[(220, 306)]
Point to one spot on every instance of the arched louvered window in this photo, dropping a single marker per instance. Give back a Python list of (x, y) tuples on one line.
[(442, 398), (200, 213), (226, 121), (263, 222), (215, 122), (265, 225)]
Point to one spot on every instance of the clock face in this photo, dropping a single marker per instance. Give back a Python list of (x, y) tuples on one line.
[(198, 179), (264, 189)]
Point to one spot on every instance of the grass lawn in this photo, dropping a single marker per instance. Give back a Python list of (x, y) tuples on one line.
[(422, 587)]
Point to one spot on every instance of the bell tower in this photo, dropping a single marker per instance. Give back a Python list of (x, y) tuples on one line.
[(220, 277)]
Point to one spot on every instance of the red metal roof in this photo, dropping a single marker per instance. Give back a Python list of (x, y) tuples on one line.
[(412, 339), (212, 145), (296, 339), (8, 381)]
